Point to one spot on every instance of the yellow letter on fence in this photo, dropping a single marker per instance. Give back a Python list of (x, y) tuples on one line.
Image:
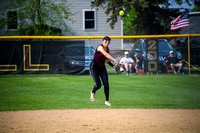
[(27, 61), (8, 67)]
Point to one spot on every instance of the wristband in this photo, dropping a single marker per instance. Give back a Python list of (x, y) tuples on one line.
[(110, 63)]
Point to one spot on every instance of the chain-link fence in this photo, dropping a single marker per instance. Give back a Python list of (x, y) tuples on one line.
[(73, 54)]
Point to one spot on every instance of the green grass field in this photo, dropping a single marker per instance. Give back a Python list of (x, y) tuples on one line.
[(34, 92)]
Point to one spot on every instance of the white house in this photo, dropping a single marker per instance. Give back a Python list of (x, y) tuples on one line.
[(92, 22)]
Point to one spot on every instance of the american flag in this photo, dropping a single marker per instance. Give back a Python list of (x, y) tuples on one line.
[(181, 21)]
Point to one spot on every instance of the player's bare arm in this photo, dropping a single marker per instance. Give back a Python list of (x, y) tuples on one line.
[(108, 56)]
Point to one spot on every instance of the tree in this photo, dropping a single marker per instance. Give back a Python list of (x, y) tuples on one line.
[(39, 17), (141, 16), (197, 6)]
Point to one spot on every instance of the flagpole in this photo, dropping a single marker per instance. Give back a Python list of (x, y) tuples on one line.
[(182, 21), (189, 48)]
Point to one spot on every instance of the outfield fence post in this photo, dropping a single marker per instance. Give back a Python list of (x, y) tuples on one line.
[(89, 55)]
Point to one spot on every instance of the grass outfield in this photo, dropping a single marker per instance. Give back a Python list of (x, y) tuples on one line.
[(31, 92)]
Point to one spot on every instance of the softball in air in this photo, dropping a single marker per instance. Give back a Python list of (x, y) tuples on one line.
[(121, 13)]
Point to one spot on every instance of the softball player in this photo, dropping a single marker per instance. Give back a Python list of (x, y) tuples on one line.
[(98, 69)]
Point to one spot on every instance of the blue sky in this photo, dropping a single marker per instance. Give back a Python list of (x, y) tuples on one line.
[(184, 5)]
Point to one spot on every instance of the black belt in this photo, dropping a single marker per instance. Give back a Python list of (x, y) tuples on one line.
[(99, 65)]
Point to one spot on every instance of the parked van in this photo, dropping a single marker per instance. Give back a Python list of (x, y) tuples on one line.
[(76, 59), (164, 47)]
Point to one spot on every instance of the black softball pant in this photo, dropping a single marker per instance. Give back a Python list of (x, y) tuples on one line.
[(99, 71)]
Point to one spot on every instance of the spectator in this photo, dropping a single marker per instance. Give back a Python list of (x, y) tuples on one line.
[(137, 62), (173, 62), (127, 62)]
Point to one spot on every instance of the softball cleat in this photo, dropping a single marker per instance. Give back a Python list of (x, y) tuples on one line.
[(92, 97)]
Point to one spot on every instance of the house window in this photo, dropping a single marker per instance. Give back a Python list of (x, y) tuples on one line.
[(12, 22), (89, 19)]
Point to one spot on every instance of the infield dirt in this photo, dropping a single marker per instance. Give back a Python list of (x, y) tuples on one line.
[(101, 121)]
